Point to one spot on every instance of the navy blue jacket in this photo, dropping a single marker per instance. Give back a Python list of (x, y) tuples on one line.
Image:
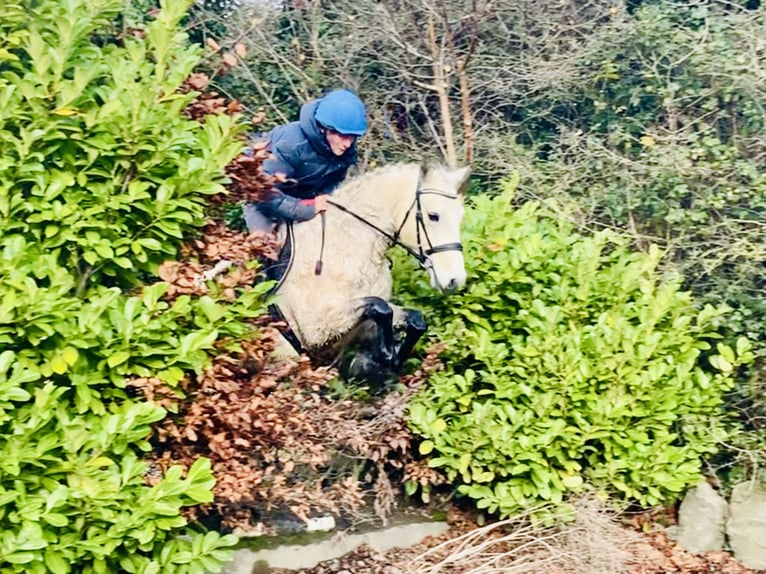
[(301, 152)]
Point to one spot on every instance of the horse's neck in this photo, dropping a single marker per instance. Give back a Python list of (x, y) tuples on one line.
[(384, 200)]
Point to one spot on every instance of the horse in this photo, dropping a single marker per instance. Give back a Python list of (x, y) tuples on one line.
[(336, 292)]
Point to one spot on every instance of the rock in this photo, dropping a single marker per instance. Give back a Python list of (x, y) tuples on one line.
[(746, 526), (320, 524), (702, 520)]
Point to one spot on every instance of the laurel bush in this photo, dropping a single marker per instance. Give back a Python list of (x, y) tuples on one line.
[(570, 364)]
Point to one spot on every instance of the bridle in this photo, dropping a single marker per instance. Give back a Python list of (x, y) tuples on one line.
[(421, 254)]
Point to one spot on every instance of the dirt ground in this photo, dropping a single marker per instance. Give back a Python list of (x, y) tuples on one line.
[(597, 543)]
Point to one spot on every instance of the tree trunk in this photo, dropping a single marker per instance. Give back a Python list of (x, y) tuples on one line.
[(441, 86)]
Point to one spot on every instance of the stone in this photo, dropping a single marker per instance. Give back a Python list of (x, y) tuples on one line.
[(702, 520), (320, 524), (746, 526)]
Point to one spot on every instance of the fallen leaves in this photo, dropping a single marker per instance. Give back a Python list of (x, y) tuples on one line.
[(658, 554), (278, 439)]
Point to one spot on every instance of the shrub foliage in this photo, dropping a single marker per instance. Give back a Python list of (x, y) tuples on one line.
[(570, 361), (94, 133), (100, 176)]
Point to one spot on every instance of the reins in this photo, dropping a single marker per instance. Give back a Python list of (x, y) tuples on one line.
[(421, 255), (393, 238), (318, 264)]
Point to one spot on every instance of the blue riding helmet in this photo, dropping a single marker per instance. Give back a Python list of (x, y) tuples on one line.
[(342, 111)]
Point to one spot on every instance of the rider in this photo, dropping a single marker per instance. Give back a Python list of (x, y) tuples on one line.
[(314, 153)]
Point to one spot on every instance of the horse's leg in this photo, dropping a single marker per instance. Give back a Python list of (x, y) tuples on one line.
[(369, 350), (284, 350), (381, 314), (412, 325), (382, 341)]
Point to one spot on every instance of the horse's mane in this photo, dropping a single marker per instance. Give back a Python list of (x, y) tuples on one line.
[(358, 183)]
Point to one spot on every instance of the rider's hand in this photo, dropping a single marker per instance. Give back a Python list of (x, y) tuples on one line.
[(320, 203)]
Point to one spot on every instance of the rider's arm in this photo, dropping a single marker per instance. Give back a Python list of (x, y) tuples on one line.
[(280, 204), (284, 206)]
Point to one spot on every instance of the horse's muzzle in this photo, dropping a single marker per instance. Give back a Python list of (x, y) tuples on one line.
[(453, 286), (446, 282)]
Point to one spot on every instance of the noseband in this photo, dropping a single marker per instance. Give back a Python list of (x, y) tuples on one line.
[(422, 255)]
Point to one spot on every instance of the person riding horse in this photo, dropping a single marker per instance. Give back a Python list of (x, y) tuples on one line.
[(314, 154), (344, 314)]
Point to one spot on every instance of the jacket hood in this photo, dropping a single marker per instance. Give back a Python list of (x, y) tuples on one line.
[(316, 138)]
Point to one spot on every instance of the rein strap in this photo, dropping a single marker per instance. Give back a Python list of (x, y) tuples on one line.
[(421, 255), (318, 264), (393, 238)]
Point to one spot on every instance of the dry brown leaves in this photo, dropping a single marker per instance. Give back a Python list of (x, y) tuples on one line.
[(222, 253), (207, 103), (276, 436), (278, 440), (363, 560), (248, 180), (657, 554)]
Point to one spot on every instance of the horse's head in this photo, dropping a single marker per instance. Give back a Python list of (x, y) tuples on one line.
[(434, 231)]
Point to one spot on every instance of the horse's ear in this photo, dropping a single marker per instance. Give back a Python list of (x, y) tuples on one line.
[(461, 175)]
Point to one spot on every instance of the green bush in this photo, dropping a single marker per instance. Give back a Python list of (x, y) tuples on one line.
[(97, 163), (101, 175), (569, 361)]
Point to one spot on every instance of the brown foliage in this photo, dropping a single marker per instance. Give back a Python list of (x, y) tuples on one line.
[(657, 554), (223, 253), (279, 440), (207, 103), (248, 180)]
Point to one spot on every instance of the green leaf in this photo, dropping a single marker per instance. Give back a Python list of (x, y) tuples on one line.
[(70, 355), (117, 358), (199, 494), (200, 471), (6, 360), (720, 363), (572, 481), (726, 353), (20, 557), (56, 563), (56, 519), (59, 365), (438, 426)]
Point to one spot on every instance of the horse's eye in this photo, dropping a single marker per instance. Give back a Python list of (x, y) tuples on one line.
[(433, 216)]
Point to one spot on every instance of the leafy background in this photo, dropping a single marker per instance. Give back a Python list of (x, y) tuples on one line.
[(614, 340)]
